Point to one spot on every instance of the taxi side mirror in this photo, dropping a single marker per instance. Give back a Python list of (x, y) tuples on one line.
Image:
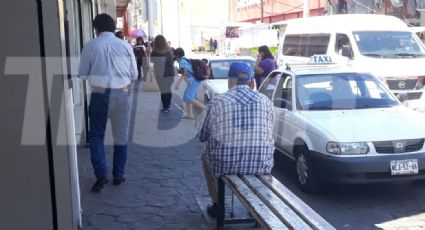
[(346, 51)]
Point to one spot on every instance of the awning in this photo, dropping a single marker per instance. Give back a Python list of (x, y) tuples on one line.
[(108, 6), (121, 6)]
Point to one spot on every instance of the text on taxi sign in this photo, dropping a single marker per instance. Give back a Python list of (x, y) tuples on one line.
[(321, 59)]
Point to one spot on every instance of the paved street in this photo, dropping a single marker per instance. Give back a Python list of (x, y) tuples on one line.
[(165, 183), (391, 206)]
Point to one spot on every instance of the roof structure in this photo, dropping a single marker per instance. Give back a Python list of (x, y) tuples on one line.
[(121, 6)]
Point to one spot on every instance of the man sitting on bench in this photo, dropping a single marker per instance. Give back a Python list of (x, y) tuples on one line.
[(237, 127)]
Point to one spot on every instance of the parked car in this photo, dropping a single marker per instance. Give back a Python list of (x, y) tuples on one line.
[(344, 126), (219, 68)]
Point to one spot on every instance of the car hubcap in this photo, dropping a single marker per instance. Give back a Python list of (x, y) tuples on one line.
[(302, 169)]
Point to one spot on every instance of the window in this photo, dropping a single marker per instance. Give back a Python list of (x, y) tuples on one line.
[(220, 68), (317, 44), (291, 45), (341, 91), (269, 85), (305, 45), (388, 44), (341, 41), (283, 95)]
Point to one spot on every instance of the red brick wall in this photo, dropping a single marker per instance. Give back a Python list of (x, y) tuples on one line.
[(274, 10)]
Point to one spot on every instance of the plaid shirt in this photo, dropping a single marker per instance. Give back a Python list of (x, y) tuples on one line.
[(238, 126)]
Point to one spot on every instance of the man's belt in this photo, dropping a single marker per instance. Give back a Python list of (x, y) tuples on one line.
[(95, 89)]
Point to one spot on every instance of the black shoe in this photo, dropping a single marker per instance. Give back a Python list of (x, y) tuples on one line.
[(98, 185), (212, 210), (119, 180), (165, 110)]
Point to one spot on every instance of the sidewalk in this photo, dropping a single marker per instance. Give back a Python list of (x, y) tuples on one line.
[(164, 174)]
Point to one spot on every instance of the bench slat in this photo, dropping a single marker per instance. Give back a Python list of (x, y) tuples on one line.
[(309, 215), (266, 218), (279, 207)]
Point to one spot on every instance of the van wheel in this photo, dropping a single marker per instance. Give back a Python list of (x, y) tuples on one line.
[(307, 180)]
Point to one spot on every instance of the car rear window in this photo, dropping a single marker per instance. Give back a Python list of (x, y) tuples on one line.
[(220, 68)]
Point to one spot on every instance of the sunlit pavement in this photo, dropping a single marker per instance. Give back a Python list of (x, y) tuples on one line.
[(163, 171)]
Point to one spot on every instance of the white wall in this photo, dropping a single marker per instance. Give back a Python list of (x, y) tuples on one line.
[(108, 6), (176, 23)]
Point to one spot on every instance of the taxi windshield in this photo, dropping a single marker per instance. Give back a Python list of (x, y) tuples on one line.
[(342, 91), (388, 44), (220, 68)]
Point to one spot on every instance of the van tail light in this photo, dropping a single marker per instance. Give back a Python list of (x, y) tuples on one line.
[(420, 82)]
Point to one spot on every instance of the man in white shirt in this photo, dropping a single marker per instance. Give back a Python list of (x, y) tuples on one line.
[(108, 63)]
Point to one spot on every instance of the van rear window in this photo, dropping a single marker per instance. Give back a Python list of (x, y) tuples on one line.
[(305, 45)]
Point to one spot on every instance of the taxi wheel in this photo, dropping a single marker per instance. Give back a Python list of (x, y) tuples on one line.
[(307, 180)]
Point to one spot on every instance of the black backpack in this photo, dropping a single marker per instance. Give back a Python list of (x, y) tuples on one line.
[(200, 69)]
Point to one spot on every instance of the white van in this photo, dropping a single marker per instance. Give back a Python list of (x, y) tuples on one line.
[(382, 45)]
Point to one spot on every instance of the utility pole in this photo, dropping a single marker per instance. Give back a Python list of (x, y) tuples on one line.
[(135, 9), (262, 11), (150, 18), (162, 19), (178, 21), (306, 8)]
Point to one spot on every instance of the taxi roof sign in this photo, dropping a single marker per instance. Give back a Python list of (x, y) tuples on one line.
[(320, 59)]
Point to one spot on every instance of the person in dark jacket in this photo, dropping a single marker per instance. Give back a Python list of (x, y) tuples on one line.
[(140, 53), (163, 60)]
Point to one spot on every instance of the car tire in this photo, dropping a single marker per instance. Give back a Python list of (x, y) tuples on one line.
[(307, 179)]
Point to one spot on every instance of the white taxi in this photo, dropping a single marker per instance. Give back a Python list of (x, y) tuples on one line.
[(219, 69), (340, 125)]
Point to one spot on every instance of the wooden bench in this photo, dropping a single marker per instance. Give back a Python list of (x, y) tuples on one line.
[(270, 203)]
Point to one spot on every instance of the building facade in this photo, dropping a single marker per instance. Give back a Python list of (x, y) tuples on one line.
[(268, 11), (408, 10)]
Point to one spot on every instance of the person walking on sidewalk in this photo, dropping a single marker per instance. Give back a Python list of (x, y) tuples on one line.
[(192, 88), (163, 60), (108, 63), (141, 57), (237, 127)]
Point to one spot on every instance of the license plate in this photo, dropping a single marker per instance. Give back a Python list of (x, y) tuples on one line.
[(404, 167)]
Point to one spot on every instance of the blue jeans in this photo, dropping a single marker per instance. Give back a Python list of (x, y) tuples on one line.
[(191, 91), (115, 106)]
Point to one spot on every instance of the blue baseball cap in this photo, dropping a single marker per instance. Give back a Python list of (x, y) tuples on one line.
[(241, 71)]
